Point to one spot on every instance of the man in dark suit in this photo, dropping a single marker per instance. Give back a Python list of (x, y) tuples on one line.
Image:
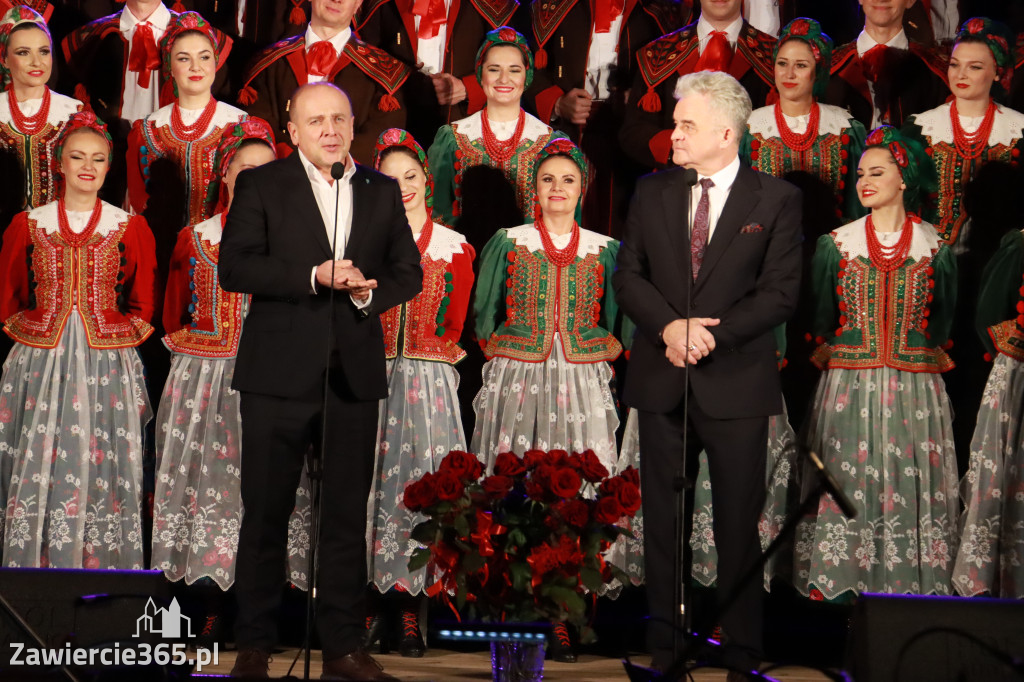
[(278, 247), (739, 252)]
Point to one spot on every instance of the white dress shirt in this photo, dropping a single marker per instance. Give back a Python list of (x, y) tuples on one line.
[(764, 15), (945, 19), (430, 51), (335, 204), (865, 43), (717, 195), (137, 102), (602, 57), (704, 29), (338, 42)]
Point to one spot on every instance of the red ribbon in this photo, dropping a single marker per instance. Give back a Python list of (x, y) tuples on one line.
[(485, 529), (144, 57), (605, 12), (717, 55), (432, 16), (321, 58)]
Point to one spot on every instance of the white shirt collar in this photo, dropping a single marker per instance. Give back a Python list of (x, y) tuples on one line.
[(724, 178), (159, 19), (704, 29), (866, 42), (313, 173), (338, 41)]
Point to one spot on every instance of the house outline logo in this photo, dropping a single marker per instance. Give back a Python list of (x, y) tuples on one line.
[(166, 622)]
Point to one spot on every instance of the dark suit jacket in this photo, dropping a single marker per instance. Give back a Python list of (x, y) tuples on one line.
[(750, 279), (273, 238)]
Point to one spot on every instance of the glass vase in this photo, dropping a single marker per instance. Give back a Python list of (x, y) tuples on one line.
[(513, 661)]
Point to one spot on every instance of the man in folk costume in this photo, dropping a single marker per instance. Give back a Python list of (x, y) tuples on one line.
[(113, 64), (328, 51), (438, 40), (720, 40), (883, 77), (585, 62)]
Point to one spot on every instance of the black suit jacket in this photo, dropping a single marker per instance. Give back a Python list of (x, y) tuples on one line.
[(750, 279), (273, 239)]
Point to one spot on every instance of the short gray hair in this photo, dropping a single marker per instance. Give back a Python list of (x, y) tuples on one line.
[(725, 93)]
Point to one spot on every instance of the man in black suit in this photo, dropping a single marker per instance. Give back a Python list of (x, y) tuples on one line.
[(278, 247), (739, 252)]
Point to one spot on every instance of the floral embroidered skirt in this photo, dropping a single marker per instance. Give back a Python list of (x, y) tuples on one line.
[(71, 424), (991, 556), (886, 435), (197, 507), (549, 405), (419, 424), (197, 510), (627, 553)]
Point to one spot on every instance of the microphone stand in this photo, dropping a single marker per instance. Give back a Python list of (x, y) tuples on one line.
[(681, 617), (315, 460)]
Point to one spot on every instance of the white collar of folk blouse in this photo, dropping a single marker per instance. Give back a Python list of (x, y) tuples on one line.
[(937, 126)]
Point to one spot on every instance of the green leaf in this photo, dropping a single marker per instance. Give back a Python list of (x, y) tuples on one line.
[(473, 562), (591, 579), (426, 532), (420, 557), (461, 525), (520, 574)]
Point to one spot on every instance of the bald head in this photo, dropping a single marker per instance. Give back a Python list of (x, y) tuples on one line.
[(303, 90), (321, 125)]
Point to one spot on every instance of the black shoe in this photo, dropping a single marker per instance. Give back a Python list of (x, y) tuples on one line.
[(376, 637), (560, 646), (251, 663), (411, 643)]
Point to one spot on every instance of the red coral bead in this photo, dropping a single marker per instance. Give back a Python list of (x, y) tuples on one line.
[(512, 256)]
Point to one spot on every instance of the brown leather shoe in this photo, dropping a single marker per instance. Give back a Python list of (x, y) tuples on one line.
[(251, 664), (355, 667)]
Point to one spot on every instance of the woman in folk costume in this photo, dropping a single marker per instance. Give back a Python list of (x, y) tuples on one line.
[(78, 293), (171, 177), (420, 420), (484, 165), (546, 315), (885, 288), (197, 502), (991, 556), (32, 116)]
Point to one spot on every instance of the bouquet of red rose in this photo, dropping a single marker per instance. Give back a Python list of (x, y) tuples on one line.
[(527, 542)]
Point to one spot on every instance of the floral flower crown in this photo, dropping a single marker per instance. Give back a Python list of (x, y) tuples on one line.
[(505, 35)]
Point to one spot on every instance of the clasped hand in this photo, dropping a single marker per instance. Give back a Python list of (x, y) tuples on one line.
[(681, 351), (347, 278)]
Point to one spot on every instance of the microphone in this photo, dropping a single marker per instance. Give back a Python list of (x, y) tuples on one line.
[(832, 486), (689, 177), (338, 170)]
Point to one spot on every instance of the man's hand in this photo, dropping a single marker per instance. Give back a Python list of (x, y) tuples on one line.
[(574, 106), (701, 340), (449, 89), (347, 278)]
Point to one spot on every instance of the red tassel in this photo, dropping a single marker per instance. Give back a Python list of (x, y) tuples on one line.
[(247, 96), (650, 102), (389, 103), (82, 96), (178, 7), (540, 59), (297, 16)]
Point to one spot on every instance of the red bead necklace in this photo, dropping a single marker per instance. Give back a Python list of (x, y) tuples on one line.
[(798, 143), (195, 131), (71, 237), (29, 125), (498, 151), (423, 241), (971, 145), (889, 258), (561, 258)]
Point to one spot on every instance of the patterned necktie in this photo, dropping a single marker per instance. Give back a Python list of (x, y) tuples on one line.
[(701, 228), (717, 54), (321, 58), (144, 57)]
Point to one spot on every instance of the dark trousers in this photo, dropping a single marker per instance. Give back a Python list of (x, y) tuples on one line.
[(737, 449), (276, 433)]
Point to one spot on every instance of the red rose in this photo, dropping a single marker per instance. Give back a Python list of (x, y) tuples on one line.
[(497, 486), (542, 559), (573, 512), (799, 28), (975, 25), (449, 487), (607, 510), (507, 464), (534, 458), (590, 466), (565, 482), (558, 458), (420, 494), (630, 475), (612, 485), (536, 490), (628, 496), (507, 35), (568, 551), (461, 465), (210, 558)]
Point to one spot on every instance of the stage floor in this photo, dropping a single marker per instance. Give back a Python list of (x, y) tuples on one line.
[(453, 666)]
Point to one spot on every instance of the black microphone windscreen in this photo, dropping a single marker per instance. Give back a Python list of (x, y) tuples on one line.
[(690, 177), (338, 170)]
